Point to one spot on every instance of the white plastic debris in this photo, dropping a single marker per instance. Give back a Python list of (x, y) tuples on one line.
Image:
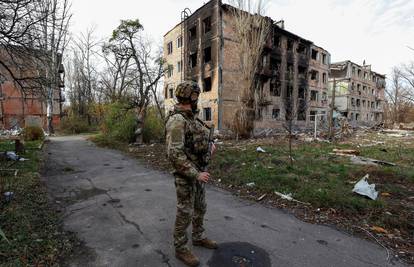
[(283, 196), (12, 156), (251, 184), (365, 189), (261, 150)]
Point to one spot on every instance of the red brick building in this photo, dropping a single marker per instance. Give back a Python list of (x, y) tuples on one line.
[(31, 110)]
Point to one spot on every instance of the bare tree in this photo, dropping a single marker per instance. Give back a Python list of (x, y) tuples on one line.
[(400, 94), (251, 29), (407, 75), (84, 74), (33, 36), (140, 68)]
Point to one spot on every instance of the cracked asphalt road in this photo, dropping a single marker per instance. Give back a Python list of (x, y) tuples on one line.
[(124, 213)]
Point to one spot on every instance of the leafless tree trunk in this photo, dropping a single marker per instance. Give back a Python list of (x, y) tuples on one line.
[(252, 30)]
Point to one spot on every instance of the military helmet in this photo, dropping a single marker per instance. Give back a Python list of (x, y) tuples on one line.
[(187, 92)]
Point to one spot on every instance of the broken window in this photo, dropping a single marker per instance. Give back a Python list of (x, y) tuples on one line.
[(302, 72), (276, 40), (302, 110), (207, 25), (275, 113), (324, 59), (363, 103), (314, 54), (207, 54), (171, 91), (352, 86), (170, 48), (207, 84), (179, 66), (314, 95), (301, 49), (275, 87), (359, 72), (353, 71), (314, 75), (313, 115), (290, 45), (324, 78), (179, 42), (193, 33), (324, 97), (302, 93), (356, 116), (358, 102), (353, 101), (207, 114), (170, 71), (193, 60)]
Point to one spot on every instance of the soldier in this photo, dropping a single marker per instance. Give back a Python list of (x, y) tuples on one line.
[(187, 149)]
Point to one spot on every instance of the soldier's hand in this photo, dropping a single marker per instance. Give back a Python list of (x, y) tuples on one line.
[(203, 177), (213, 149)]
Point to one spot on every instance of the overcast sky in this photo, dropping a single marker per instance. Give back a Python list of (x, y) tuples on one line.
[(377, 31)]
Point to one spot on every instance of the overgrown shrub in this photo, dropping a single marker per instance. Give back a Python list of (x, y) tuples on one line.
[(33, 133), (74, 125), (118, 123), (154, 126)]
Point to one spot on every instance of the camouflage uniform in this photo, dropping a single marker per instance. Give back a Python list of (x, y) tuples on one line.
[(187, 149)]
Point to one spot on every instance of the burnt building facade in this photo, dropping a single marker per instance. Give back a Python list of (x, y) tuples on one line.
[(360, 92), (204, 48)]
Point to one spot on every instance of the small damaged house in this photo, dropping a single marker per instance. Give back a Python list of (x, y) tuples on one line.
[(203, 48), (28, 106)]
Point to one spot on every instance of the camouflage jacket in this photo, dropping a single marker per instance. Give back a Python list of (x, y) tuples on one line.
[(187, 143)]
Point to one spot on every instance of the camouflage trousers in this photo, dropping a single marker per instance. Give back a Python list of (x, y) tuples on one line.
[(191, 207)]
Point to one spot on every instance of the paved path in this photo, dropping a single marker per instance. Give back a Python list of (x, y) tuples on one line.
[(124, 213)]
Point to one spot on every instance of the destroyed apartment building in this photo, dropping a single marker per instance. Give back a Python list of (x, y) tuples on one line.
[(203, 48), (359, 94), (28, 106)]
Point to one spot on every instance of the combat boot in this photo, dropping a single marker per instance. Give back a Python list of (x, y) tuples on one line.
[(207, 243), (187, 257)]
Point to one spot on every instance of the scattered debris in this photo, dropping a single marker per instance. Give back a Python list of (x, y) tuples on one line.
[(262, 197), (385, 194), (365, 189), (10, 155), (290, 198), (259, 149), (365, 161), (379, 230), (341, 152), (250, 184)]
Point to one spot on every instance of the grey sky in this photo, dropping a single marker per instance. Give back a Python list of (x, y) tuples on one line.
[(377, 31)]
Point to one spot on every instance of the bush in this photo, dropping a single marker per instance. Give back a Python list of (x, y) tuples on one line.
[(74, 125), (154, 126), (118, 123), (33, 133)]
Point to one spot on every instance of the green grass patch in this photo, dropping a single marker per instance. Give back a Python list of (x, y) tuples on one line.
[(316, 176), (27, 221)]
